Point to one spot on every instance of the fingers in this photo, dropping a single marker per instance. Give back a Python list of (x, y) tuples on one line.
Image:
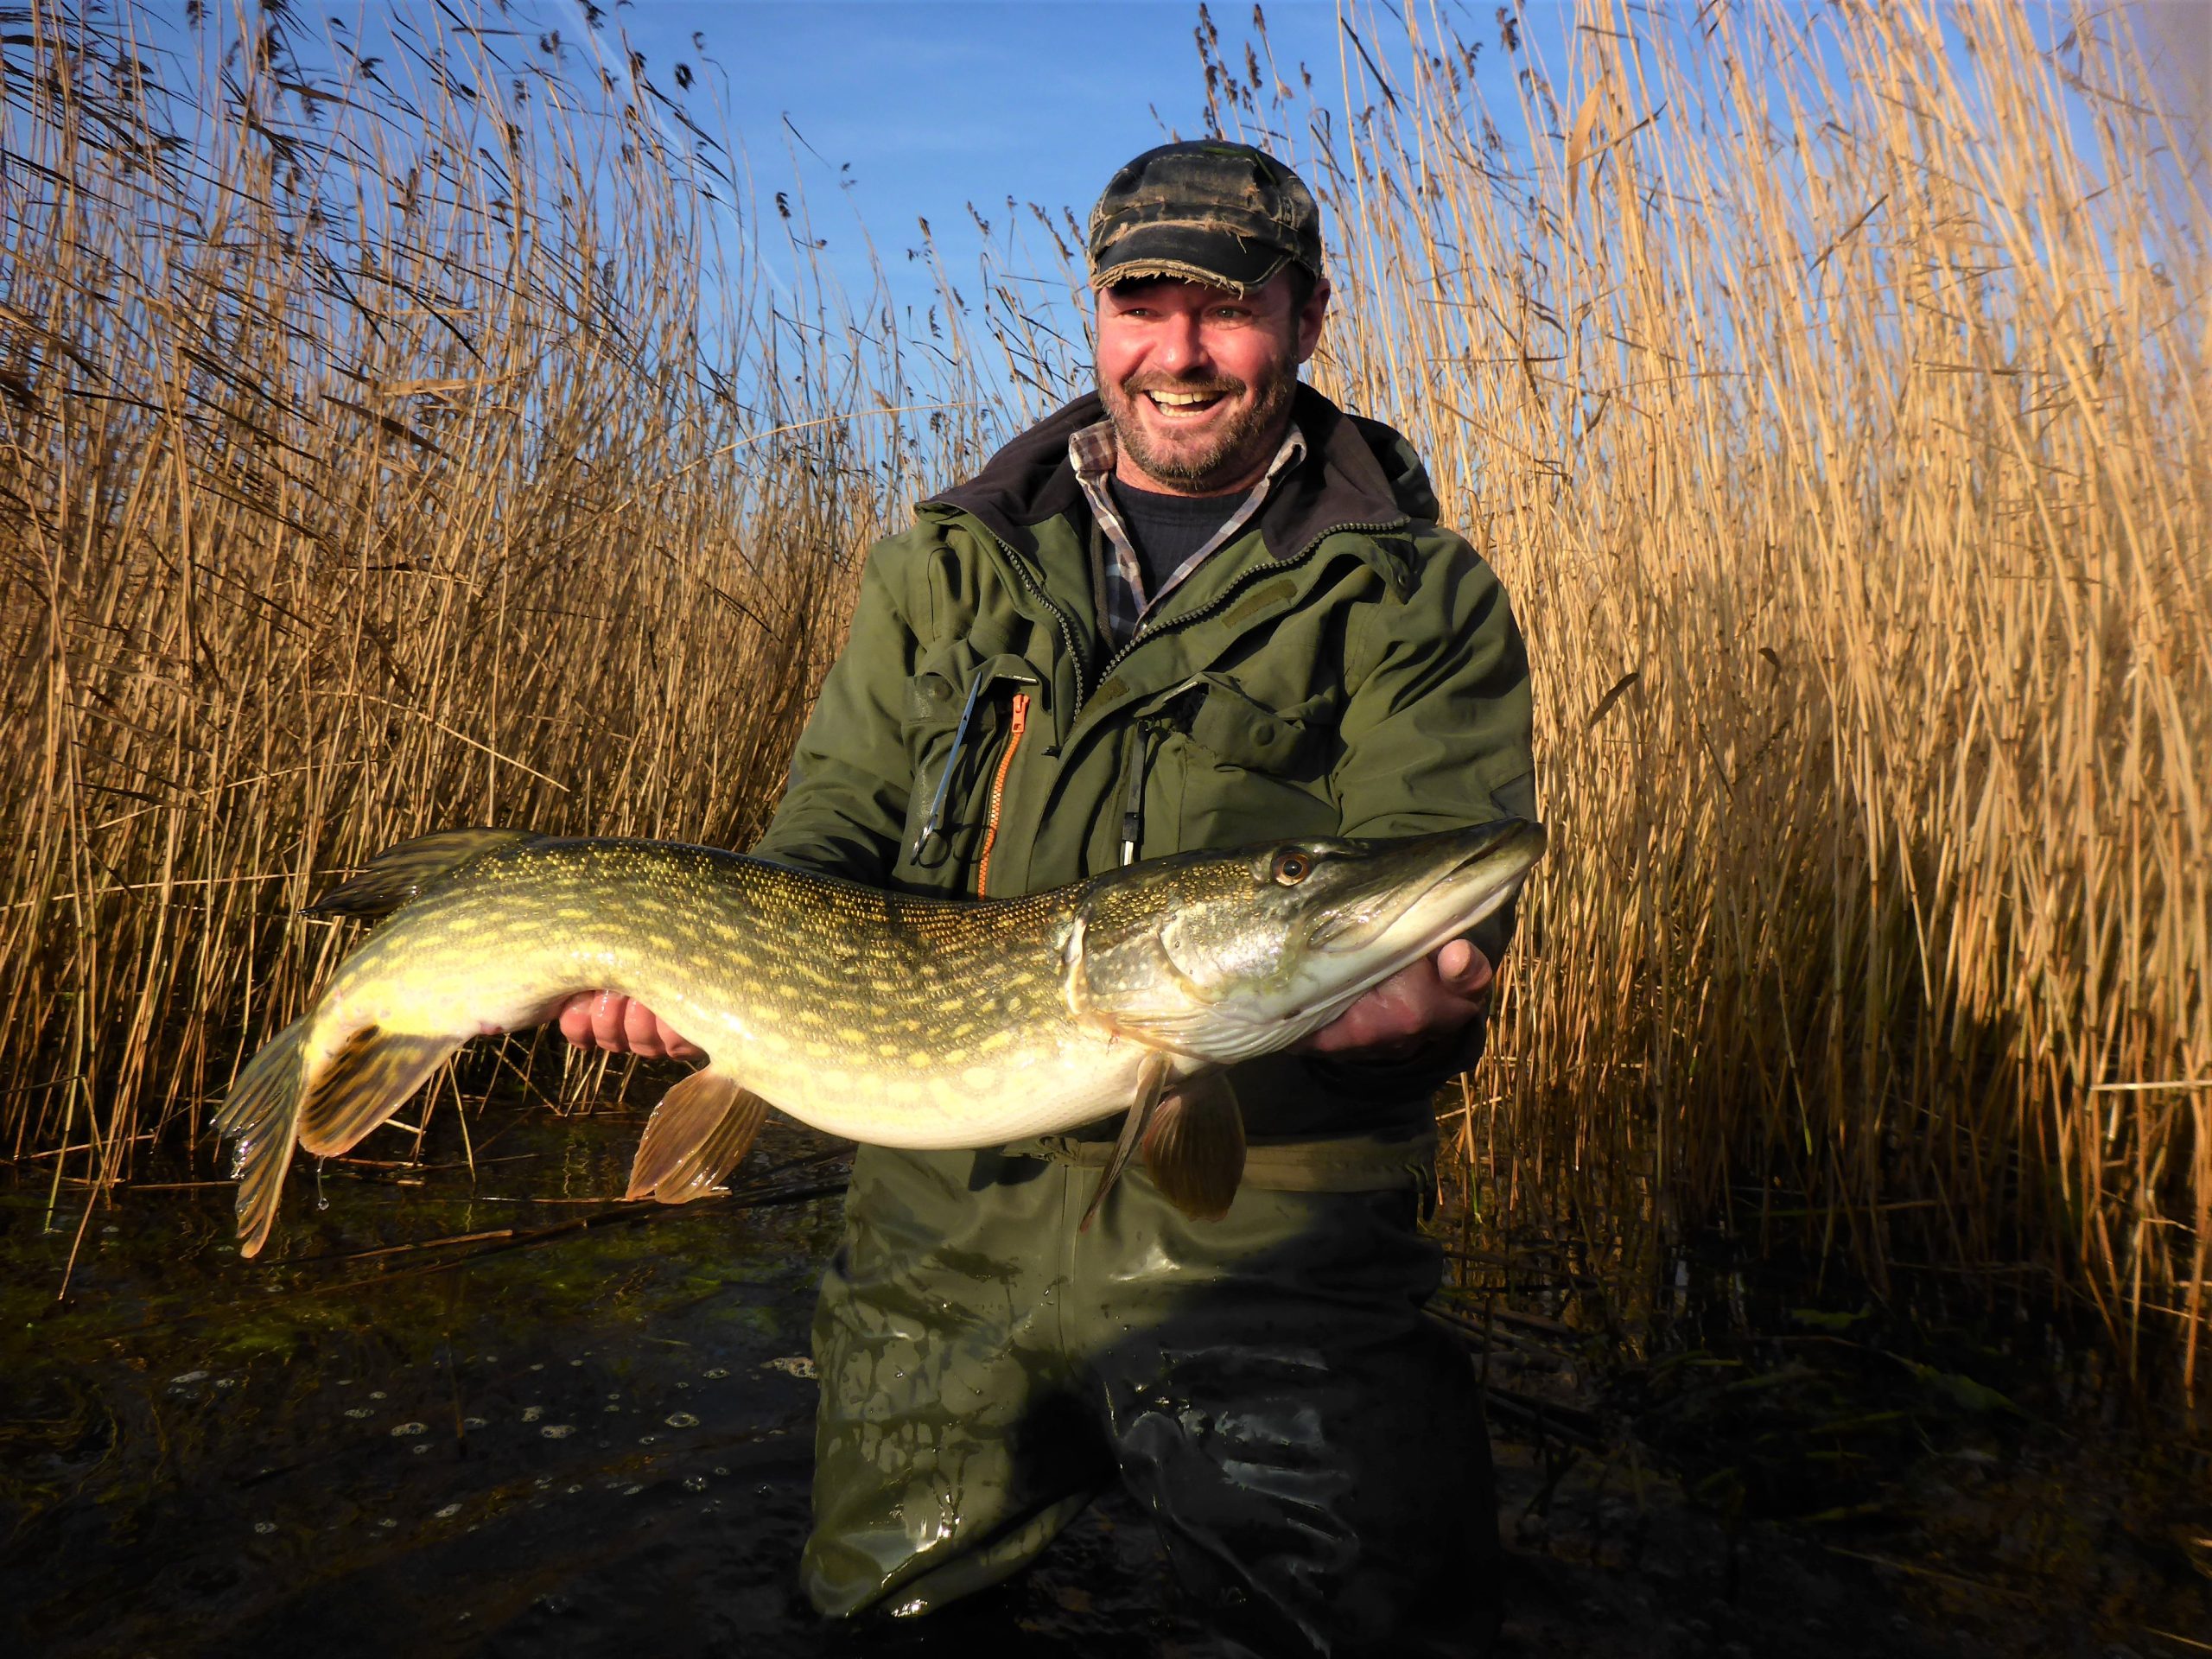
[(574, 1017), (1462, 969), (620, 1025), (1425, 1000)]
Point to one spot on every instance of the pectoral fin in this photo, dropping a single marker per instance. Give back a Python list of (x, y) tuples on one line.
[(1150, 1080), (1195, 1148), (700, 1132), (365, 1083)]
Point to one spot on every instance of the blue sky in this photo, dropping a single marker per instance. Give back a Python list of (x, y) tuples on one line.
[(915, 108)]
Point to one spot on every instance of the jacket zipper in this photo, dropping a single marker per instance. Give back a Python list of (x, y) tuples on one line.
[(1067, 629), (1017, 725), (1133, 797), (1059, 617), (1223, 598)]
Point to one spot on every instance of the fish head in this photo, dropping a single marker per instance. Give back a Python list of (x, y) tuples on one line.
[(1223, 956)]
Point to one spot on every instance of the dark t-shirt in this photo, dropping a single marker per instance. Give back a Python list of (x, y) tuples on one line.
[(1168, 529)]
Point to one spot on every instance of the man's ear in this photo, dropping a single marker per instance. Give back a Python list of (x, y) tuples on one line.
[(1309, 318)]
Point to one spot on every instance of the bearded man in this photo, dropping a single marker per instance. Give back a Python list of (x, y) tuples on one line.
[(1203, 608)]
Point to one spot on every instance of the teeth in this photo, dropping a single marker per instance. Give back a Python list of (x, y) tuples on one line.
[(1182, 399)]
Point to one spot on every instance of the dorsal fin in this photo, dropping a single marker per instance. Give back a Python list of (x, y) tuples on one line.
[(398, 873)]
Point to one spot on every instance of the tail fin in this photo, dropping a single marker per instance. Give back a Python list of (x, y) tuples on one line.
[(700, 1132), (365, 1081), (398, 873), (263, 1115)]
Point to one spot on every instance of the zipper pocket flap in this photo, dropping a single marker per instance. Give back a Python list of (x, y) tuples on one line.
[(1244, 731)]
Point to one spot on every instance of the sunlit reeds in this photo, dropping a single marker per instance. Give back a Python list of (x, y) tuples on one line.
[(388, 444), (1829, 388), (418, 442)]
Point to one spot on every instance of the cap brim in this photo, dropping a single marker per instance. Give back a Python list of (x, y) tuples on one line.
[(1191, 253)]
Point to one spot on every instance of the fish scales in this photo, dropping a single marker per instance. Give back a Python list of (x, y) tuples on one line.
[(810, 1014), (901, 1019)]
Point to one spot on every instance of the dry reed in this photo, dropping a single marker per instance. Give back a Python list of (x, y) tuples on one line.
[(1827, 387), (386, 447)]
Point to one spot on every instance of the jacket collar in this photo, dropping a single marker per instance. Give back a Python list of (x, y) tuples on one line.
[(1357, 472)]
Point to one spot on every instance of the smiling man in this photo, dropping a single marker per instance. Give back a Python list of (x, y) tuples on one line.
[(1203, 608)]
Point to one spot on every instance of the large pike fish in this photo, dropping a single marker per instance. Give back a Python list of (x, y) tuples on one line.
[(882, 1017)]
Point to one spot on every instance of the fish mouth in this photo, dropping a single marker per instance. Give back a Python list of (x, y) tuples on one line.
[(1481, 872)]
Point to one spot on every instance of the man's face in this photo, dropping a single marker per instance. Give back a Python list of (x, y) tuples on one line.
[(1199, 382)]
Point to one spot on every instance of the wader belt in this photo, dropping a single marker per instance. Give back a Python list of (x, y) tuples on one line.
[(1347, 1163)]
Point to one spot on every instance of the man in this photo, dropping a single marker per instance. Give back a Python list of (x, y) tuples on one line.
[(1200, 608)]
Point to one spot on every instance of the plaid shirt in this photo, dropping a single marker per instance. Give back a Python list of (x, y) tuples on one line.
[(1122, 602)]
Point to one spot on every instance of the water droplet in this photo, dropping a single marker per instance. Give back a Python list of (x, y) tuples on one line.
[(557, 1431), (472, 1422), (264, 1526), (398, 1429), (682, 1385), (614, 1394), (576, 1362), (225, 1382), (647, 1439), (720, 1470), (538, 1368), (717, 1374), (357, 1411), (420, 1448), (447, 1514), (375, 1394), (610, 1405), (631, 1491), (681, 1420), (111, 1229), (189, 1376), (695, 1482), (573, 1490), (387, 1523), (532, 1414)]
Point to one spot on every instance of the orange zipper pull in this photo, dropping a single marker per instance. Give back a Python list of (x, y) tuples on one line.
[(1015, 727)]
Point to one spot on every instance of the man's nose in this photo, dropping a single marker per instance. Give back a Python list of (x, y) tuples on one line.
[(1179, 348)]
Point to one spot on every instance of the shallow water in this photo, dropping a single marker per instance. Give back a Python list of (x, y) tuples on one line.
[(507, 1444), (507, 1414)]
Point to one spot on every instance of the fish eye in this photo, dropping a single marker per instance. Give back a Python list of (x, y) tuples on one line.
[(1292, 867)]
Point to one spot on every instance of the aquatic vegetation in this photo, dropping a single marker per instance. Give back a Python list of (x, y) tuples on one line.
[(1826, 384)]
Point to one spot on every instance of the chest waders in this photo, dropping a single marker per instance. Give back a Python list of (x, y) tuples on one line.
[(1310, 1446)]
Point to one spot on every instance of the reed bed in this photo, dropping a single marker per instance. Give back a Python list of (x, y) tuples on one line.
[(439, 439), (1829, 387), (390, 443)]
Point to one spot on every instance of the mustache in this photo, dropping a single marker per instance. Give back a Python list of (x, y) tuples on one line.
[(1138, 383)]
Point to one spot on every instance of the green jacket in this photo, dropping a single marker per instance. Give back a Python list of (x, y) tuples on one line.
[(1342, 667)]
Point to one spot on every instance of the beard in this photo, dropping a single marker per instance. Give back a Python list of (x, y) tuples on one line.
[(1197, 464)]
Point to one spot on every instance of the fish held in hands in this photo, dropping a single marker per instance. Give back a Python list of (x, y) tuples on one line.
[(901, 1020)]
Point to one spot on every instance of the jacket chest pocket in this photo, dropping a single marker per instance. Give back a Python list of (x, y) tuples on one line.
[(1250, 771), (963, 719)]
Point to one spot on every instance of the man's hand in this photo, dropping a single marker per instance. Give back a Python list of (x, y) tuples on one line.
[(603, 1019), (1417, 1008)]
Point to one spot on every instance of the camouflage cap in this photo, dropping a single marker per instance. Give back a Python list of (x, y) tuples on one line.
[(1209, 212)]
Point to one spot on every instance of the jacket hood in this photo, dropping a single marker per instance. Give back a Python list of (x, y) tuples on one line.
[(1357, 472)]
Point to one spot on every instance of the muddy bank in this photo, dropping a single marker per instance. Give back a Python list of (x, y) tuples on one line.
[(579, 1426)]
